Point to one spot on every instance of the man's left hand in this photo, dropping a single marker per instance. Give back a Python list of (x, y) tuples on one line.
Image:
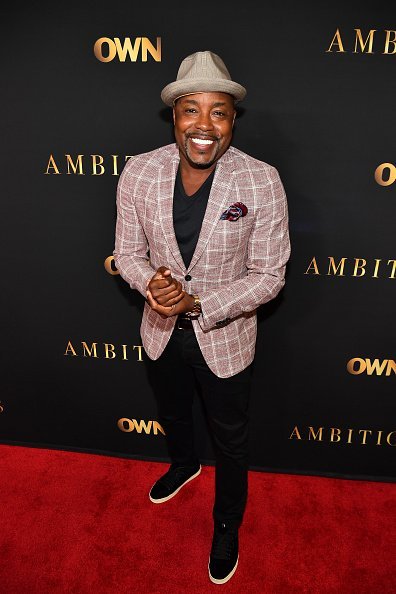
[(185, 305)]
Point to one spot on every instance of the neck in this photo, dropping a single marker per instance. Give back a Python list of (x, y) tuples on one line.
[(193, 177), (198, 174)]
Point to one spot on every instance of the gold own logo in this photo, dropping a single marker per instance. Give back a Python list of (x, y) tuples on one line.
[(357, 366), (387, 171), (129, 425), (106, 49)]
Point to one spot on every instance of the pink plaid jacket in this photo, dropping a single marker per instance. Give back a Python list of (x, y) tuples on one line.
[(236, 266)]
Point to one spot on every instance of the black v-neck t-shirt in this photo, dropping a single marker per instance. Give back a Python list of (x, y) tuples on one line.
[(188, 214)]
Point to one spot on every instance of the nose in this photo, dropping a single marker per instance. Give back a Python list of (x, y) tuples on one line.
[(204, 121)]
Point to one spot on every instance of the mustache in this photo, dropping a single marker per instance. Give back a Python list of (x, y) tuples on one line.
[(202, 136)]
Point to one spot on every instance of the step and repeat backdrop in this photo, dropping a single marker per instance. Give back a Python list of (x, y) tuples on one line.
[(81, 95)]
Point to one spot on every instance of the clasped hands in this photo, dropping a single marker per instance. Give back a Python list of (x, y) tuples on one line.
[(166, 296)]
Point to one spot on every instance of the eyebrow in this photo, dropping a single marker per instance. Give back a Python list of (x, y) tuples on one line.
[(217, 104)]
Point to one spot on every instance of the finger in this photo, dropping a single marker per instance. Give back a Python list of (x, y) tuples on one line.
[(152, 303), (160, 284), (163, 271), (160, 288), (165, 311), (174, 301), (170, 299)]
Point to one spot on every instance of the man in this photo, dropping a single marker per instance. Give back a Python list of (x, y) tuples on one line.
[(202, 233)]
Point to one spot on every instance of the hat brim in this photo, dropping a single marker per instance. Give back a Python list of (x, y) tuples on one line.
[(201, 85)]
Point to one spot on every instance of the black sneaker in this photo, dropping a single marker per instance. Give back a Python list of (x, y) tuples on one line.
[(223, 559), (172, 481)]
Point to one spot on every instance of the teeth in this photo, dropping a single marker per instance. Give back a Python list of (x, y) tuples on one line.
[(201, 141)]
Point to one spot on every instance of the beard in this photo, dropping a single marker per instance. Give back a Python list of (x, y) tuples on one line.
[(197, 163)]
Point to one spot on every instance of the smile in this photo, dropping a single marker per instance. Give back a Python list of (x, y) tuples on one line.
[(201, 142)]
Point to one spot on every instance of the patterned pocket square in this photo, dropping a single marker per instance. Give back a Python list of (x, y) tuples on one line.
[(233, 212)]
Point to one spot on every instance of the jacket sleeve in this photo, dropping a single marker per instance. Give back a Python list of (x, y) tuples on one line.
[(268, 252), (131, 246)]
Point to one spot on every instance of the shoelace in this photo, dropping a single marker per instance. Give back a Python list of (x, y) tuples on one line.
[(223, 545)]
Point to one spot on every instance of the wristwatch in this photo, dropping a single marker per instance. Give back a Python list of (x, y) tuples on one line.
[(196, 310)]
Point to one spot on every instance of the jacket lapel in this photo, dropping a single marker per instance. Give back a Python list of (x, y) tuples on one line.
[(166, 185), (218, 201)]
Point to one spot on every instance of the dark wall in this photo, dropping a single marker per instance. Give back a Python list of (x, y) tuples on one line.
[(323, 400)]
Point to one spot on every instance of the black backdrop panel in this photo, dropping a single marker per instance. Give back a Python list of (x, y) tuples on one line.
[(320, 107)]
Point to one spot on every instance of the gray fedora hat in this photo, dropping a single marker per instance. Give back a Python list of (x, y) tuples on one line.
[(202, 72)]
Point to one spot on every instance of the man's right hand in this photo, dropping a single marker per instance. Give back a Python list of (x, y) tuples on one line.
[(165, 290)]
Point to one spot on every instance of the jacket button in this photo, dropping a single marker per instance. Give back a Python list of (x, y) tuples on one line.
[(188, 277)]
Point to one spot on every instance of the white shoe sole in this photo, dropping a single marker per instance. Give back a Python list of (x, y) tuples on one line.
[(177, 490), (228, 577)]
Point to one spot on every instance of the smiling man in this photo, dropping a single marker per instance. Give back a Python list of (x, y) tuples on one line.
[(202, 233)]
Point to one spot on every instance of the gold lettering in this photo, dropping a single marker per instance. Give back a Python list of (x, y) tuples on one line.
[(379, 438), (96, 164), (359, 267), (157, 427), (52, 165), (109, 350), (142, 426), (295, 433), (391, 367), (317, 435), (115, 164), (388, 438), (335, 434), (365, 431), (98, 51), (377, 263), (78, 164), (360, 369), (393, 268), (129, 425), (109, 264), (333, 267), (362, 43), (154, 52), (125, 425), (124, 346), (127, 48), (375, 366), (379, 174), (336, 41), (140, 349), (314, 265), (71, 349), (350, 431), (388, 40), (89, 352)]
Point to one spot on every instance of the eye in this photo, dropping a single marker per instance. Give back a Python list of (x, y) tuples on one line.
[(220, 114), (190, 110)]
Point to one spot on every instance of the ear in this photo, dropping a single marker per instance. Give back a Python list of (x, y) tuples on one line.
[(174, 115), (233, 119)]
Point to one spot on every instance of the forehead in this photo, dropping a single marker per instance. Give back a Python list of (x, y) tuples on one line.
[(206, 99)]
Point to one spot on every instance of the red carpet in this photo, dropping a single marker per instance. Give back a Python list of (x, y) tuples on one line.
[(76, 523)]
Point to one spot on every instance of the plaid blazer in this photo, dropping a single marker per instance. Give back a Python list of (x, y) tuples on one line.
[(236, 266)]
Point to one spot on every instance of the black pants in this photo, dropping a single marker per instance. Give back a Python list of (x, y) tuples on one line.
[(174, 376)]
